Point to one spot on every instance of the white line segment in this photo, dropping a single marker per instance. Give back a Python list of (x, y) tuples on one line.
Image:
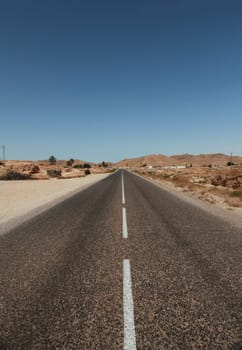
[(125, 227), (129, 328), (123, 196)]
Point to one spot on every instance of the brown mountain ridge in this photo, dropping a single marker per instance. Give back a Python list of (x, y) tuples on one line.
[(218, 159)]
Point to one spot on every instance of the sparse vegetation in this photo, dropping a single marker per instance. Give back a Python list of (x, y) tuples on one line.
[(14, 175), (110, 170), (52, 160), (70, 162), (213, 184), (82, 166), (86, 166), (237, 194), (54, 173), (87, 172), (45, 169)]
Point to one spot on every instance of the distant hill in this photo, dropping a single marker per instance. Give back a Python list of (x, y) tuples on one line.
[(162, 160), (206, 159), (153, 159)]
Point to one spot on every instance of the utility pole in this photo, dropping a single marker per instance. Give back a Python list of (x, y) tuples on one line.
[(4, 148), (230, 166)]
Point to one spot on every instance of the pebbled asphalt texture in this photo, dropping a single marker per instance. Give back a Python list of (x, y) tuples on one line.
[(62, 279)]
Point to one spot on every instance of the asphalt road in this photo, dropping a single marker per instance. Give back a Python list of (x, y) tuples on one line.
[(70, 280)]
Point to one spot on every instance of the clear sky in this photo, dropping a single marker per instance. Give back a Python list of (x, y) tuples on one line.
[(106, 79)]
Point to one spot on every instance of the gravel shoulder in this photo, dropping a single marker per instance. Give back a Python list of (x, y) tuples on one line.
[(231, 215), (21, 200)]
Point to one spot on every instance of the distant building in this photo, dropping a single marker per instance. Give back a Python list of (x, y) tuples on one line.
[(175, 167)]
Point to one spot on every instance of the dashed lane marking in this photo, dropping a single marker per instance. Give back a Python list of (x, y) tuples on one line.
[(129, 327), (125, 227), (123, 195)]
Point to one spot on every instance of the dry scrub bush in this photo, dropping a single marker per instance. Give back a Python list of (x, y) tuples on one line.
[(14, 175), (54, 173)]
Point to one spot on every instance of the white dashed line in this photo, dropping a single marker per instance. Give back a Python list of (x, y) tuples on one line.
[(125, 227), (124, 219), (129, 328), (123, 196)]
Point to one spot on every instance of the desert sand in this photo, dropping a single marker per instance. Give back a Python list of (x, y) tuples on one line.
[(20, 200)]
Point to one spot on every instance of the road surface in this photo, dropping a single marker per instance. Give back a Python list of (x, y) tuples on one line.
[(121, 265)]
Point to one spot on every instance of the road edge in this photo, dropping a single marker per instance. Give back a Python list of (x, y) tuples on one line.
[(233, 218)]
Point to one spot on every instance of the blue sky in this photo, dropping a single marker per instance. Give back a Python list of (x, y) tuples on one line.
[(106, 80)]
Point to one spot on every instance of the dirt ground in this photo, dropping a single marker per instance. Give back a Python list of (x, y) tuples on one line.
[(216, 185), (22, 199), (44, 170)]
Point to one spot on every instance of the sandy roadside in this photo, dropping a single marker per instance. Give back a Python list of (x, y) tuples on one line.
[(21, 200)]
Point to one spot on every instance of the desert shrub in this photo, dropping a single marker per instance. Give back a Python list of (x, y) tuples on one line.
[(230, 163), (110, 170), (14, 175), (181, 181), (219, 181), (54, 173), (87, 172), (52, 160), (70, 162), (78, 166), (86, 166), (237, 194), (164, 176)]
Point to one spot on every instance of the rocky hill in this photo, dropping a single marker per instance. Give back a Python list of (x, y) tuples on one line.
[(153, 159), (218, 159), (43, 170), (206, 159)]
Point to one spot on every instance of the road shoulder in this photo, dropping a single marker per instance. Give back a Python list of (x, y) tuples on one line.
[(22, 200)]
